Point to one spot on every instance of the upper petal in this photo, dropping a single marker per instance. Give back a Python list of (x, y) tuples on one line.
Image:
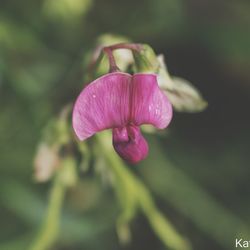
[(103, 104), (149, 105)]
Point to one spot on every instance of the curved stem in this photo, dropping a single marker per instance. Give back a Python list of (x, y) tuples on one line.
[(50, 228), (132, 190), (97, 55), (111, 58), (160, 224), (137, 47)]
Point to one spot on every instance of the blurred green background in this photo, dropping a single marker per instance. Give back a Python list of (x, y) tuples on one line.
[(198, 173)]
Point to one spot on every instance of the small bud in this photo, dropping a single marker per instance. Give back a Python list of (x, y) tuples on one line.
[(124, 234), (46, 162), (146, 60)]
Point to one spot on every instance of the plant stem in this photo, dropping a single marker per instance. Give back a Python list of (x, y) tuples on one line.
[(50, 228), (132, 190), (111, 58), (130, 46), (160, 224)]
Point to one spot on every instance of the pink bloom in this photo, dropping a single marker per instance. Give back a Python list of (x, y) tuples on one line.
[(122, 102)]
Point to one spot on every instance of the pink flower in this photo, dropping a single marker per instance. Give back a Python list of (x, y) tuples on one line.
[(122, 102)]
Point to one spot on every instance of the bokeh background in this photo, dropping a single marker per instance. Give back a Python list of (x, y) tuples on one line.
[(198, 173)]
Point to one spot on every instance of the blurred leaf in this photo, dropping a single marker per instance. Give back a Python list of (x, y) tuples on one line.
[(185, 97), (35, 78), (17, 37), (182, 94), (18, 199), (19, 243), (66, 10)]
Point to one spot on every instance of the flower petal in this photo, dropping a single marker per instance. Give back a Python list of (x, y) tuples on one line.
[(130, 144), (149, 105), (103, 104)]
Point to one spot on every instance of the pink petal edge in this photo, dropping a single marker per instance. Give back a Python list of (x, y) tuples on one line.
[(102, 104), (149, 104)]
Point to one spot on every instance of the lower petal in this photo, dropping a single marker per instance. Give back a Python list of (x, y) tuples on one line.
[(130, 144)]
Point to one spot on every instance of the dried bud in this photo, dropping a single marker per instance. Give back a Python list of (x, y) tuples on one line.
[(46, 162)]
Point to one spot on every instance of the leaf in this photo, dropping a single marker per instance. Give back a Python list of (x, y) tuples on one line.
[(181, 93), (185, 97), (66, 10)]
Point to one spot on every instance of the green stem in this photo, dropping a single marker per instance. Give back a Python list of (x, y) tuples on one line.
[(130, 46), (133, 191), (160, 224), (112, 63), (50, 228)]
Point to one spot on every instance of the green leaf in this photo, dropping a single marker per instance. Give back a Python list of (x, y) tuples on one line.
[(181, 93)]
